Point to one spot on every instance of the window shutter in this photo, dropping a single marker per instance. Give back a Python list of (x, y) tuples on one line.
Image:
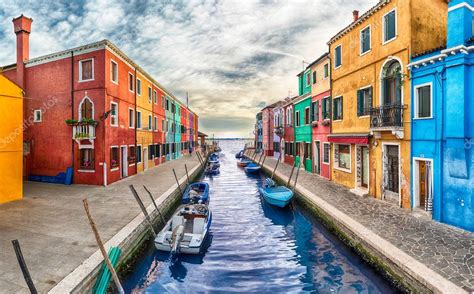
[(342, 108), (316, 111), (324, 108), (360, 102), (369, 103), (334, 112)]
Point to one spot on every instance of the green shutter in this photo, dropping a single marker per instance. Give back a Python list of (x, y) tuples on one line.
[(324, 108), (316, 111), (342, 108), (360, 102), (334, 110)]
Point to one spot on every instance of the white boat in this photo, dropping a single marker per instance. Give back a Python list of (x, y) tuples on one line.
[(187, 230)]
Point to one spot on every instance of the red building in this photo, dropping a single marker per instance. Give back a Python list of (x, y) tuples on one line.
[(159, 134), (289, 131), (81, 108)]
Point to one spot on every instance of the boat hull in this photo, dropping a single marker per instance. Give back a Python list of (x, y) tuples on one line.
[(281, 198), (252, 170)]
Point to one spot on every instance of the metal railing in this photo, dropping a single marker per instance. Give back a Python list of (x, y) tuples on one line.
[(386, 116)]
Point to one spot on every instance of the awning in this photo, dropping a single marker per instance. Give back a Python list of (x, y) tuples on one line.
[(362, 139)]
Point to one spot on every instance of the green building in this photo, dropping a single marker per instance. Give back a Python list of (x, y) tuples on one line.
[(302, 115)]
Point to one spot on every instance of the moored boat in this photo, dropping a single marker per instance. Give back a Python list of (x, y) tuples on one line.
[(212, 169), (276, 195), (214, 158), (187, 230), (252, 168), (244, 162), (240, 154), (196, 193)]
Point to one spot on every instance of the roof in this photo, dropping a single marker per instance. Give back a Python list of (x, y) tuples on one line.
[(273, 105), (314, 62), (419, 54), (201, 134), (361, 19)]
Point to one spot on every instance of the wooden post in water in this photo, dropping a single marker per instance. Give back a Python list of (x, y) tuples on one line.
[(177, 182), (291, 174), (296, 178), (260, 158), (187, 175), (140, 203), (276, 166), (102, 249), (197, 155), (23, 267), (154, 203), (263, 161)]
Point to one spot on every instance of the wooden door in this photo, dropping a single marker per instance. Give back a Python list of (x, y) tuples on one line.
[(364, 166), (422, 182)]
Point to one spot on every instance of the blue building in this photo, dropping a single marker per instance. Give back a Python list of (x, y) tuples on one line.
[(442, 128)]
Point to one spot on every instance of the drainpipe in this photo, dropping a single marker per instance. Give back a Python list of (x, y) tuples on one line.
[(72, 109), (135, 118)]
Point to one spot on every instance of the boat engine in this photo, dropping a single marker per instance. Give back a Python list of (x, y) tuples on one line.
[(178, 234)]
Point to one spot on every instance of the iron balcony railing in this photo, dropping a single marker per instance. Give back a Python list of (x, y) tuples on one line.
[(386, 116)]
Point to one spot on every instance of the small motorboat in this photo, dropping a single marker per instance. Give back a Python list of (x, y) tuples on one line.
[(244, 162), (252, 168), (196, 193), (214, 158), (186, 231), (276, 195), (240, 154), (212, 169)]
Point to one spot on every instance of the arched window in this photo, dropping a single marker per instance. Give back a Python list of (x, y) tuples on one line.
[(86, 109), (392, 84)]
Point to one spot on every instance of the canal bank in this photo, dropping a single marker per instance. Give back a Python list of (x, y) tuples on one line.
[(57, 242), (421, 255)]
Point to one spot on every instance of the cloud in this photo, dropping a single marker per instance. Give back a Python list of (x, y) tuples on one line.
[(233, 57)]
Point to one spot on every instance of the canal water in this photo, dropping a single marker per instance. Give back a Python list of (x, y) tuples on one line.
[(256, 248)]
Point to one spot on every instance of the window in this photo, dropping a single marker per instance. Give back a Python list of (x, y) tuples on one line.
[(297, 118), (132, 155), (149, 122), (326, 108), (114, 157), (163, 101), (149, 94), (139, 120), (307, 151), (423, 101), (86, 109), (315, 111), (338, 56), (167, 104), (390, 26), (113, 114), (131, 118), (307, 116), (155, 123), (308, 78), (326, 152), (162, 125), (365, 40), (337, 108), (139, 154), (131, 82), (364, 101), (86, 70), (86, 159), (114, 71), (392, 84), (342, 156), (155, 97), (139, 87), (37, 115), (157, 150), (326, 70), (315, 75), (151, 152), (289, 116)]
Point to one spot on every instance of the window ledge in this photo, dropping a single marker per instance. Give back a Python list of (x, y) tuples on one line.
[(365, 53), (114, 169), (83, 81), (389, 41), (343, 169), (86, 170), (423, 118)]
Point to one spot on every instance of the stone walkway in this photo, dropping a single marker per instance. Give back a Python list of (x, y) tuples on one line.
[(54, 232), (447, 250)]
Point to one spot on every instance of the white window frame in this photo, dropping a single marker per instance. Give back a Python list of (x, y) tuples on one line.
[(131, 120), (138, 81), (132, 164), (324, 71), (131, 78), (155, 123), (307, 74), (80, 70), (150, 122), (336, 163), (329, 156), (40, 115), (364, 88), (332, 109), (335, 59), (369, 27), (80, 107), (118, 167), (141, 154), (163, 101), (297, 121), (112, 62), (383, 27), (150, 94), (114, 115), (155, 97), (309, 116), (416, 177), (139, 114), (415, 115)]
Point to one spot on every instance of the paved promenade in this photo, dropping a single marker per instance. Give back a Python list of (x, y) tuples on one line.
[(446, 250), (54, 232)]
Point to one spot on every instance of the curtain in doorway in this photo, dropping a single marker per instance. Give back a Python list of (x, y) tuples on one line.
[(428, 188)]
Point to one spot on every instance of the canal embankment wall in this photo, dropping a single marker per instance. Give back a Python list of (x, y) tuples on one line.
[(405, 272), (130, 239)]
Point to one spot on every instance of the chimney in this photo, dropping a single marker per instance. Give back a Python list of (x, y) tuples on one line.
[(22, 28), (355, 14)]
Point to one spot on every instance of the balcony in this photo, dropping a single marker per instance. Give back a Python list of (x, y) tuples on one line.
[(387, 118), (82, 133)]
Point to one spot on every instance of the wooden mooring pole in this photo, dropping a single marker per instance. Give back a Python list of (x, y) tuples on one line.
[(263, 161), (296, 178), (291, 174), (260, 158), (154, 203), (102, 249), (143, 208), (276, 166), (187, 175), (177, 182), (23, 267)]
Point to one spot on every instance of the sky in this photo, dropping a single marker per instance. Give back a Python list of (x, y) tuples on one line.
[(232, 57)]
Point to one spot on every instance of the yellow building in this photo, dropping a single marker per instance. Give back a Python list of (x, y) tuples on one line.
[(11, 140), (144, 122), (371, 94)]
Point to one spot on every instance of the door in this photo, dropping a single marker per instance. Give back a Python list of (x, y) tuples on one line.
[(392, 169), (364, 166), (422, 183), (317, 157), (145, 158), (124, 165)]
